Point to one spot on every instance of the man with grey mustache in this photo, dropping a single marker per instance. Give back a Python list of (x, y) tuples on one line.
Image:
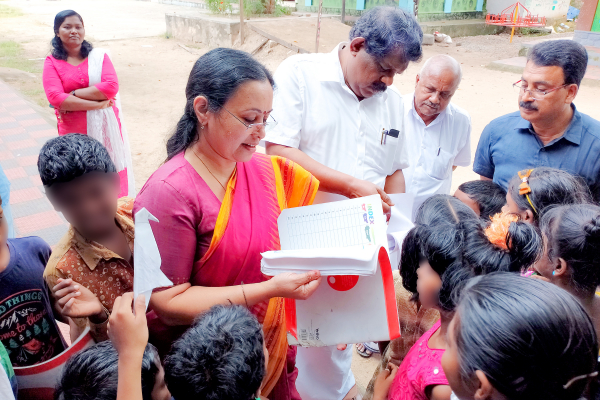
[(547, 130)]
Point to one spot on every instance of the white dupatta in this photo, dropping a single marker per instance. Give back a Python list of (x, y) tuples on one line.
[(103, 126)]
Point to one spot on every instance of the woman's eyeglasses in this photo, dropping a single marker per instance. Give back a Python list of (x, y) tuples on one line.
[(269, 121)]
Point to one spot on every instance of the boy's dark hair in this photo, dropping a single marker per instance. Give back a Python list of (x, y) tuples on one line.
[(530, 338), (92, 374), (524, 244), (67, 157), (220, 357), (549, 187), (490, 197), (569, 55), (573, 234)]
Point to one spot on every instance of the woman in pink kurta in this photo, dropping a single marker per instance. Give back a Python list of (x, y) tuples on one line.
[(61, 79), (67, 83)]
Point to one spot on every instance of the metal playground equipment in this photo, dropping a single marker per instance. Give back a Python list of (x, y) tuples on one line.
[(515, 16)]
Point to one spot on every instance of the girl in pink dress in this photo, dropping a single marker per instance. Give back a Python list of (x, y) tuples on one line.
[(439, 269), (437, 260), (82, 86), (431, 267)]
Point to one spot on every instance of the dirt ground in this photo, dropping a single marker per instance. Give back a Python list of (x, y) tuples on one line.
[(153, 71)]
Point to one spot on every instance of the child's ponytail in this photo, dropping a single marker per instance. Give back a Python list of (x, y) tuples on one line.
[(524, 245), (573, 234), (505, 245)]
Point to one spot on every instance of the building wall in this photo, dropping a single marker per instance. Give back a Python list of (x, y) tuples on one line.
[(428, 9)]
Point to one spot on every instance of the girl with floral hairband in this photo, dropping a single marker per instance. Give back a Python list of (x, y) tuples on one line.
[(532, 191)]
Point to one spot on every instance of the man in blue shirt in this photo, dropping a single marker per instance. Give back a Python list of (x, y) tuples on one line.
[(548, 130)]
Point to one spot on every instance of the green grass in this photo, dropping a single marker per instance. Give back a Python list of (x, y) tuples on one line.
[(11, 56), (9, 12)]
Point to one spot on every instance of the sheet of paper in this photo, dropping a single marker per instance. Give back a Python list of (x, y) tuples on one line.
[(401, 218), (346, 223), (400, 221), (359, 260), (147, 275)]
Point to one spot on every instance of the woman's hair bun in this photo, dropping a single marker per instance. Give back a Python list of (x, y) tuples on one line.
[(592, 228)]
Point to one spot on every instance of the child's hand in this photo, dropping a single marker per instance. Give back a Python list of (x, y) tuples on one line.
[(77, 301), (128, 332), (384, 382)]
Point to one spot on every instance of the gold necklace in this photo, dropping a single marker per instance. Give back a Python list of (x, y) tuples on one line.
[(208, 169)]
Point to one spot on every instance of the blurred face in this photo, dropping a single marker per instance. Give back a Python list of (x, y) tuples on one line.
[(367, 76), (548, 107), (88, 202), (451, 364), (226, 132), (433, 91), (71, 32), (160, 390), (511, 207), (472, 204), (429, 284)]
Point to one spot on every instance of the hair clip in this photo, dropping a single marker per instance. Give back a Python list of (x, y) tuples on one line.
[(580, 377), (497, 231), (524, 188)]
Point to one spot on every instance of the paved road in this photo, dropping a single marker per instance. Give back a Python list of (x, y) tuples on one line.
[(22, 133)]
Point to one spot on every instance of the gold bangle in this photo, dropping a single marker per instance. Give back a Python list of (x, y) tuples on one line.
[(107, 315), (244, 293)]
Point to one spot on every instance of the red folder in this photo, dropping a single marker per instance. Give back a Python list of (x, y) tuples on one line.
[(346, 309)]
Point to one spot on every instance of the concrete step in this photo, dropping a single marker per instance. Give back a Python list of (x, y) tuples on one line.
[(525, 46), (593, 52), (517, 64), (453, 28), (184, 3), (461, 27)]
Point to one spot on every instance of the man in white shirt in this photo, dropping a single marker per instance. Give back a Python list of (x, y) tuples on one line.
[(337, 120), (438, 133)]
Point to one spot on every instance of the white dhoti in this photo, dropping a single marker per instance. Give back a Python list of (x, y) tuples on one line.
[(324, 372)]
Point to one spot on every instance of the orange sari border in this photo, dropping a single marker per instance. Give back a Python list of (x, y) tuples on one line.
[(223, 217), (293, 187)]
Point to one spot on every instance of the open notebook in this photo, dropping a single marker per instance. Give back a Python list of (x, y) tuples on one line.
[(347, 242)]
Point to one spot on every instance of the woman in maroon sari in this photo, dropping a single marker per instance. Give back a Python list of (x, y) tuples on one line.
[(218, 202)]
